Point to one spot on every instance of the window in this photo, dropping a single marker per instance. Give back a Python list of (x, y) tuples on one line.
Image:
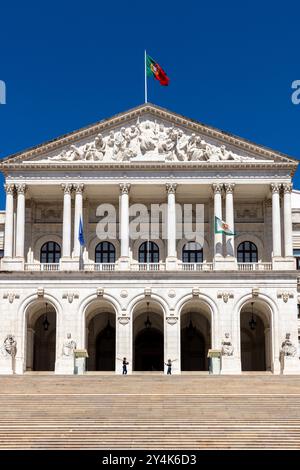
[(247, 253), (50, 253), (149, 253), (105, 252), (297, 256), (192, 253), (1, 254)]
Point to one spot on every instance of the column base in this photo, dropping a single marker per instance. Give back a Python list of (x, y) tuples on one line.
[(230, 365), (171, 263), (65, 365), (124, 263), (69, 264), (6, 365), (283, 264), (225, 264), (12, 264)]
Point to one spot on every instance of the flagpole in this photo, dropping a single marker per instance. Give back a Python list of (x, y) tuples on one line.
[(146, 91)]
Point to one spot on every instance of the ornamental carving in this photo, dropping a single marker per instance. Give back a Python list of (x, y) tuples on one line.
[(172, 320), (70, 296), (9, 347), (147, 140), (287, 347), (285, 295), (11, 296), (21, 188), (225, 296), (124, 320), (287, 187), (9, 188)]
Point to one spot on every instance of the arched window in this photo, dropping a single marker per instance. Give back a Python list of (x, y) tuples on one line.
[(148, 253), (105, 252), (192, 253), (50, 253), (247, 253)]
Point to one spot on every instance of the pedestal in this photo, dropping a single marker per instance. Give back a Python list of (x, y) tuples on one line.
[(124, 263), (214, 358), (65, 365), (80, 361), (69, 264), (171, 263), (12, 264), (6, 365), (225, 264), (290, 365), (230, 365), (283, 264)]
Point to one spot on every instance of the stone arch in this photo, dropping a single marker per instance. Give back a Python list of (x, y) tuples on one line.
[(267, 310), (160, 243), (245, 237), (206, 249), (95, 241), (52, 237), (34, 302)]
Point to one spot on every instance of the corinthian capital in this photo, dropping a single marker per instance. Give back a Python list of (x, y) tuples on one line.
[(21, 188), (124, 188), (275, 187), (217, 187), (171, 188), (78, 187), (287, 187), (9, 188), (67, 188), (229, 187)]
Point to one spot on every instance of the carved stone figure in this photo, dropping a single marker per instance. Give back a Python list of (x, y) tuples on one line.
[(9, 347), (150, 140), (69, 346), (287, 347), (227, 348)]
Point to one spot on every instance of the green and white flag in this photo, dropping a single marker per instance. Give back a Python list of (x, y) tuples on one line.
[(222, 227)]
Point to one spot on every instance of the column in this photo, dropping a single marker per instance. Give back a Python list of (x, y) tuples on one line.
[(287, 214), (217, 187), (124, 219), (21, 188), (171, 220), (9, 220), (78, 214), (229, 218), (66, 248), (276, 226)]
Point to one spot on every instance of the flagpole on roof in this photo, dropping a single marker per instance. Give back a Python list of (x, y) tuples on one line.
[(146, 91)]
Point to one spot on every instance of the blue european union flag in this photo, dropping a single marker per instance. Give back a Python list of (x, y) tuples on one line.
[(80, 233)]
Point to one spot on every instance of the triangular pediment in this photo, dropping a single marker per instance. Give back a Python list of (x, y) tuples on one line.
[(145, 134)]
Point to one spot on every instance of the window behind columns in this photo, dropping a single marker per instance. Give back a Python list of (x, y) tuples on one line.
[(297, 256), (50, 253), (247, 253), (192, 253), (105, 252), (149, 253)]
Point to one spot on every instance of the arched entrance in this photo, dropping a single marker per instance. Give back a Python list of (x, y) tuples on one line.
[(148, 337), (101, 336), (195, 336), (255, 336), (41, 337)]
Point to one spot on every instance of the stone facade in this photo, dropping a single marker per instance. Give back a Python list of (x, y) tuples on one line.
[(119, 306)]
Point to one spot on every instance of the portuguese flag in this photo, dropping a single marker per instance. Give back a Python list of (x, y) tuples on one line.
[(153, 68)]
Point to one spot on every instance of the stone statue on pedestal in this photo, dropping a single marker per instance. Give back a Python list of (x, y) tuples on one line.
[(69, 346), (227, 348), (287, 347), (9, 347)]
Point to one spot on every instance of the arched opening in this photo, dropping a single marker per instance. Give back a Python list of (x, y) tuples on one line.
[(50, 252), (195, 336), (101, 336), (149, 252), (247, 253), (255, 337), (192, 252), (41, 337), (105, 252), (148, 337)]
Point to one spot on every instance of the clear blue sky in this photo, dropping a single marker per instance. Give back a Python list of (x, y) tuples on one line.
[(231, 64)]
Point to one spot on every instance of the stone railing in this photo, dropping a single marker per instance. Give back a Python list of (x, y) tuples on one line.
[(41, 266), (196, 267), (255, 266), (100, 267), (148, 267)]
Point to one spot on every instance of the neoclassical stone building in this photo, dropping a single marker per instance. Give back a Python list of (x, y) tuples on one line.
[(154, 299)]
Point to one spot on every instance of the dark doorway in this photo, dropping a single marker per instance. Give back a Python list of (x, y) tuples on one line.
[(44, 342), (193, 349), (106, 348), (253, 353), (149, 350)]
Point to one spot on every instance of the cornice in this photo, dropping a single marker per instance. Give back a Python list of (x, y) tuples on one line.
[(118, 119)]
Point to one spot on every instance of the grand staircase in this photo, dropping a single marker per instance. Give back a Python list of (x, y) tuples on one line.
[(150, 412)]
